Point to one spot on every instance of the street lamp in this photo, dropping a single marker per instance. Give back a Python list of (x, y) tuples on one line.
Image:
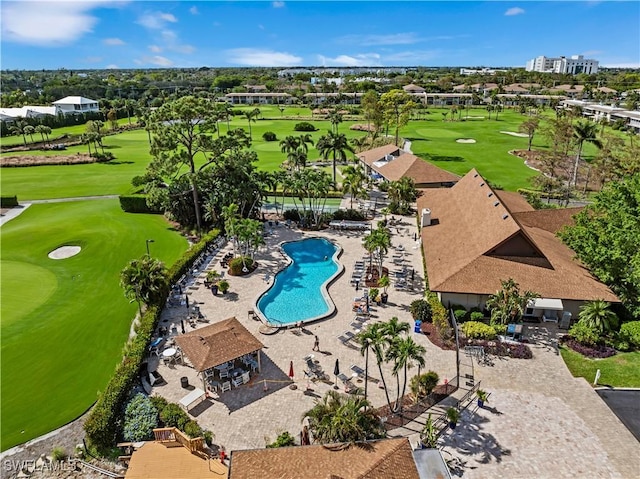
[(147, 242)]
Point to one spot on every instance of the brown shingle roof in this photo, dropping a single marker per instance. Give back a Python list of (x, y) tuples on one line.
[(551, 220), (157, 461), (475, 241), (419, 170), (376, 154), (384, 459), (513, 201), (217, 343)]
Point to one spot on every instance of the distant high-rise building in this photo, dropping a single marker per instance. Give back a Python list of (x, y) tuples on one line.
[(572, 65)]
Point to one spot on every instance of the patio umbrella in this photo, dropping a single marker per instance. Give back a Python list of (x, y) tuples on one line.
[(186, 298), (336, 372), (291, 370), (182, 324)]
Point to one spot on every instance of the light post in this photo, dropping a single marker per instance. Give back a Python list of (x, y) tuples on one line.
[(147, 243)]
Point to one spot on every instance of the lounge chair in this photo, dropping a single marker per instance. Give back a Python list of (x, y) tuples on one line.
[(345, 337), (346, 383), (358, 370), (226, 386)]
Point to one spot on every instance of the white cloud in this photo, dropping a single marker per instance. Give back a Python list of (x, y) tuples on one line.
[(411, 57), (277, 4), (360, 60), (371, 40), (49, 23), (514, 11), (621, 65), (156, 20), (154, 60), (112, 66), (194, 10), (155, 48), (183, 48), (113, 42), (262, 58), (93, 59)]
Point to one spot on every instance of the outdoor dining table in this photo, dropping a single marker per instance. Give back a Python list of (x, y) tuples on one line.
[(237, 372), (169, 352)]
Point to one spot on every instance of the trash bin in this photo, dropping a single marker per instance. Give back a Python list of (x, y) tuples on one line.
[(416, 327), (184, 381)]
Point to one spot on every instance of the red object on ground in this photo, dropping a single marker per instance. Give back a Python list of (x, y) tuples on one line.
[(291, 369), (223, 455)]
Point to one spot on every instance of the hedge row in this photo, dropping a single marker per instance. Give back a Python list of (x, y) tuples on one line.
[(104, 426), (136, 204), (540, 194), (8, 201)]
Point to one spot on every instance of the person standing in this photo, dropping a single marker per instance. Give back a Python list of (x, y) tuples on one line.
[(316, 343)]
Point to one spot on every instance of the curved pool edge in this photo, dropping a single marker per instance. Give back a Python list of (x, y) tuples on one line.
[(324, 288)]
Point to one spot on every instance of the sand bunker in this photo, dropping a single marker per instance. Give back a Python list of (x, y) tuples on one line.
[(465, 140), (64, 252), (513, 133)]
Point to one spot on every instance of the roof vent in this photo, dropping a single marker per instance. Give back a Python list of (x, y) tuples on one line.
[(504, 217), (482, 184), (490, 194), (476, 175), (496, 203)]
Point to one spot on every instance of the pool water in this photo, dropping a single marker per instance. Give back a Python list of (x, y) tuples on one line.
[(299, 291)]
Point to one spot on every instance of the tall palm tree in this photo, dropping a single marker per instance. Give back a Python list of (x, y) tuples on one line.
[(335, 144), (251, 117), (583, 131), (335, 117), (375, 335), (43, 130), (29, 130), (597, 315), (18, 129), (144, 280), (379, 240), (404, 352), (338, 418), (508, 304)]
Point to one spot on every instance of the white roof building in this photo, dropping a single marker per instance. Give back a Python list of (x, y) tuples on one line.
[(76, 104)]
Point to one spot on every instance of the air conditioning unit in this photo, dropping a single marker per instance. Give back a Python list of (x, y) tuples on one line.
[(425, 219), (389, 157)]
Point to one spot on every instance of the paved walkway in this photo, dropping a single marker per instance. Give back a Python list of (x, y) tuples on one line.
[(540, 421)]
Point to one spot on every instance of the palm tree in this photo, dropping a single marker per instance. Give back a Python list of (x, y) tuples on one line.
[(251, 117), (43, 130), (335, 144), (29, 130), (144, 280), (508, 304), (18, 129), (404, 352), (378, 241), (338, 418), (375, 335), (597, 315), (583, 131), (335, 117)]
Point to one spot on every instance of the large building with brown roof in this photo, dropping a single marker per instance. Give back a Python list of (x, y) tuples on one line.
[(383, 459), (392, 163), (474, 237)]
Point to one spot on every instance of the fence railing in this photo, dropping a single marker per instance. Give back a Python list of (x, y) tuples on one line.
[(172, 434)]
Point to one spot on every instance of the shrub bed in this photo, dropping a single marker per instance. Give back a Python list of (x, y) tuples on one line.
[(136, 204), (510, 350), (236, 266), (598, 351), (476, 330), (630, 332), (8, 201), (304, 126)]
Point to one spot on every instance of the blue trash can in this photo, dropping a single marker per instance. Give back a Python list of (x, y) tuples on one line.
[(416, 327)]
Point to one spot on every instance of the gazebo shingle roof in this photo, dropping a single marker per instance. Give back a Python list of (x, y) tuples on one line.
[(387, 458), (217, 343), (419, 170)]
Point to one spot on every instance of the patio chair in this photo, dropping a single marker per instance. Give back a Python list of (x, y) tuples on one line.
[(358, 370), (224, 373), (237, 381), (345, 337), (226, 386), (346, 383), (245, 377)]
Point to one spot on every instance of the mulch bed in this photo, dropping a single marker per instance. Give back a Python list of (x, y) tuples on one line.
[(430, 331), (411, 410), (372, 277)]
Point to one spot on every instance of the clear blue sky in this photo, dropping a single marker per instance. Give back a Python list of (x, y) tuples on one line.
[(145, 34)]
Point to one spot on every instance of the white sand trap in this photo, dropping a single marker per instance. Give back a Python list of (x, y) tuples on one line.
[(465, 140), (64, 252), (513, 133)]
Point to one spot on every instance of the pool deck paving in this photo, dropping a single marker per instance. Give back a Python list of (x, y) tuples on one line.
[(539, 422)]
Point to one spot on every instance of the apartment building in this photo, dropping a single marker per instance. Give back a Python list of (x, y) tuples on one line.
[(571, 65)]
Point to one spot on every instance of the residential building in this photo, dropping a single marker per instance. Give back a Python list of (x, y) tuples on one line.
[(474, 237), (481, 71), (258, 98), (12, 114), (76, 104), (392, 163), (597, 112), (413, 89), (572, 65)]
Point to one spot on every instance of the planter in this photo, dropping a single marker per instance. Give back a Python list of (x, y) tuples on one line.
[(452, 425), (384, 297), (480, 403), (214, 289)]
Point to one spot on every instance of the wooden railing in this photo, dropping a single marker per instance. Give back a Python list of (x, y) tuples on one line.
[(172, 434)]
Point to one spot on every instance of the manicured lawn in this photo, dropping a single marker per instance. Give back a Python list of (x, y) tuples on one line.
[(64, 181), (621, 370), (64, 322)]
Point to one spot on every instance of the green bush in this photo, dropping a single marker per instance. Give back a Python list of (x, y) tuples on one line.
[(283, 440), (476, 316), (440, 317), (269, 136), (475, 330), (460, 314), (140, 419), (193, 430), (630, 332), (236, 265), (8, 201), (136, 204), (500, 329), (349, 215), (58, 454), (421, 309), (184, 263), (584, 334), (208, 437), (174, 416), (304, 126), (158, 402)]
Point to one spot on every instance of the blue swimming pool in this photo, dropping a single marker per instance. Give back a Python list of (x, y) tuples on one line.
[(299, 292)]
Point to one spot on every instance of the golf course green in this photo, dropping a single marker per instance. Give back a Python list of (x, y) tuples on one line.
[(64, 322)]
